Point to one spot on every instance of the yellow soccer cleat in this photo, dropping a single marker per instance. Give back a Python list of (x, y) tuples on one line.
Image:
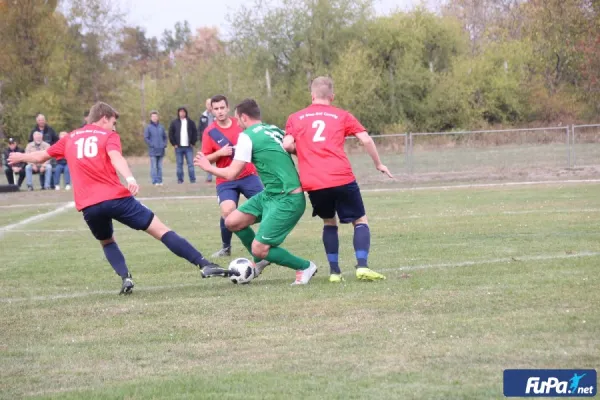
[(336, 278), (366, 274)]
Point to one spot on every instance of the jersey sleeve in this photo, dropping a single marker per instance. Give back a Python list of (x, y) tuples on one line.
[(57, 150), (289, 126), (207, 147), (352, 126), (113, 142), (243, 149)]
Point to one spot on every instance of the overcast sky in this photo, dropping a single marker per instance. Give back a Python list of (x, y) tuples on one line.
[(157, 15)]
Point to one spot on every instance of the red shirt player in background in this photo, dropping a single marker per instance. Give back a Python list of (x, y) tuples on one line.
[(317, 134), (218, 144), (93, 153)]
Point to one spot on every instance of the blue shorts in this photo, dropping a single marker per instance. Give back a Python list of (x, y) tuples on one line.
[(344, 200), (231, 190), (126, 210)]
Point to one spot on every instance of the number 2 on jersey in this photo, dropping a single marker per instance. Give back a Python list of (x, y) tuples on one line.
[(319, 125), (87, 147)]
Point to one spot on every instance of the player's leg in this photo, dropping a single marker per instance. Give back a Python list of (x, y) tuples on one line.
[(350, 209), (228, 196), (281, 214), (135, 215), (240, 220), (98, 220), (323, 203), (189, 159)]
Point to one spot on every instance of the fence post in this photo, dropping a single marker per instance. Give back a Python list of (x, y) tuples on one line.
[(573, 127), (568, 147), (406, 160), (410, 153)]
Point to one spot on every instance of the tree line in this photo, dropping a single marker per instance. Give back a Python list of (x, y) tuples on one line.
[(468, 64)]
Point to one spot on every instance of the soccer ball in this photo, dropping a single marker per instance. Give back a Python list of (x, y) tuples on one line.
[(246, 269)]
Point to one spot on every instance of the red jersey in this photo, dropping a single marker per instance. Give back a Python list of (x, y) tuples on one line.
[(210, 145), (320, 131), (93, 176)]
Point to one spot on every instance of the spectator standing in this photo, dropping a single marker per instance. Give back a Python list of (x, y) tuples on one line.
[(44, 169), (206, 119), (183, 136), (62, 168), (17, 170), (156, 139)]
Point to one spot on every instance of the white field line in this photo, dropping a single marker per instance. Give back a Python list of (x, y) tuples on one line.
[(514, 259), (411, 189), (36, 218)]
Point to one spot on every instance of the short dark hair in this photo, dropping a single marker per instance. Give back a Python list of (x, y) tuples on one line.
[(249, 107), (219, 98), (153, 112)]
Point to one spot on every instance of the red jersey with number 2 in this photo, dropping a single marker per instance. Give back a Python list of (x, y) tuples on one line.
[(93, 177), (320, 131)]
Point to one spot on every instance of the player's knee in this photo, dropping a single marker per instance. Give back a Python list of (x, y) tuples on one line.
[(227, 207), (260, 250), (106, 242), (233, 224), (330, 222), (361, 220)]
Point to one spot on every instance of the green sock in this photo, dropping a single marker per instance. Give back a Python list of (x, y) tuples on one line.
[(280, 256), (246, 236)]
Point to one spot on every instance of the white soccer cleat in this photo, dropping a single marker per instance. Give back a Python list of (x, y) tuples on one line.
[(303, 277)]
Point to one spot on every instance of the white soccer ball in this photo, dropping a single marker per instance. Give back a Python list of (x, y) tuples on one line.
[(246, 269)]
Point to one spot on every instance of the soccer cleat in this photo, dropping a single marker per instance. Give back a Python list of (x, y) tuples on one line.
[(260, 266), (303, 276), (336, 278), (212, 270), (366, 274), (127, 286), (224, 252)]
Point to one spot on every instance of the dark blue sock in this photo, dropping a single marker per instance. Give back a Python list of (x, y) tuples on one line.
[(116, 259), (332, 247), (181, 247), (362, 243), (226, 234)]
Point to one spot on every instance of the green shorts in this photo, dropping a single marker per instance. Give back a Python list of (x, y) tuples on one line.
[(278, 214)]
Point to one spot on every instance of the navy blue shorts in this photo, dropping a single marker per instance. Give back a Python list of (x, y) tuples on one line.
[(344, 200), (127, 211), (231, 190)]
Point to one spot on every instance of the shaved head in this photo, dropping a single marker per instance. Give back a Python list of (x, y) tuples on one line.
[(322, 88)]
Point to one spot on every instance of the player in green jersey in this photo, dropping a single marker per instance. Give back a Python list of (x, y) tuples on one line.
[(279, 206)]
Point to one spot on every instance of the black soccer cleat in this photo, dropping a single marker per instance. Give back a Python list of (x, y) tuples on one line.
[(127, 287), (224, 252), (212, 270)]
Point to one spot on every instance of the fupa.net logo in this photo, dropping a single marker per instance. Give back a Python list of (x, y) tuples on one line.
[(550, 383)]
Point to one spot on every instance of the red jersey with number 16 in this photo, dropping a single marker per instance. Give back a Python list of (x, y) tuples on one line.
[(320, 131), (93, 177)]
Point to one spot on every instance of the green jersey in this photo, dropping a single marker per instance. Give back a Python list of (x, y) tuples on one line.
[(262, 145)]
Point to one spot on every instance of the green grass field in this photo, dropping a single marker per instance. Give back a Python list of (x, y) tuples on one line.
[(479, 280)]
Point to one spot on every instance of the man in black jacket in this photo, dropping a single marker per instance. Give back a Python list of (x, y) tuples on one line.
[(183, 136), (49, 135), (17, 169)]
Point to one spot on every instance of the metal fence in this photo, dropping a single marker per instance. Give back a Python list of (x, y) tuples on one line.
[(532, 153)]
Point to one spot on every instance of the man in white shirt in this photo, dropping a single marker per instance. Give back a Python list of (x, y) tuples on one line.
[(183, 136)]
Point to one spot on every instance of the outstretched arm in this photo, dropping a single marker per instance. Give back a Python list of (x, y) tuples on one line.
[(37, 157), (120, 164), (231, 172), (371, 149)]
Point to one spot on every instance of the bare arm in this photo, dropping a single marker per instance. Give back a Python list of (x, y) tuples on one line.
[(120, 164), (36, 157), (228, 173), (289, 144), (371, 149)]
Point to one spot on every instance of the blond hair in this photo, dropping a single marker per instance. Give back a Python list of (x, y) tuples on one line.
[(322, 88), (100, 110)]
